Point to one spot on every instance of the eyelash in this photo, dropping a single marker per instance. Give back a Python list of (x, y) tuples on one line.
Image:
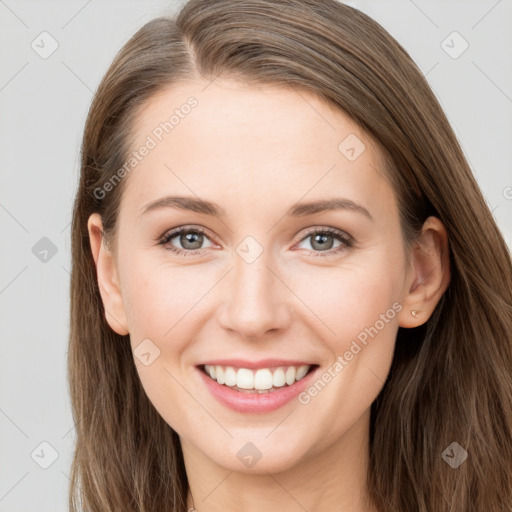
[(347, 241)]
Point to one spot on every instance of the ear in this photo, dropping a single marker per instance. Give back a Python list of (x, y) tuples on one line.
[(108, 280), (428, 276)]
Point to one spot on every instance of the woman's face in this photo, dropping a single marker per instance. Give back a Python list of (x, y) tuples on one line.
[(272, 285)]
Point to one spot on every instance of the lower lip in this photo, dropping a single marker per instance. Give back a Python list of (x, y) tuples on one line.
[(255, 402)]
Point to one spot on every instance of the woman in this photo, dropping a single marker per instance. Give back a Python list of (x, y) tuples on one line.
[(287, 292)]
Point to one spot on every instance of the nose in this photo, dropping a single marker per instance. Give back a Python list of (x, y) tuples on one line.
[(257, 302)]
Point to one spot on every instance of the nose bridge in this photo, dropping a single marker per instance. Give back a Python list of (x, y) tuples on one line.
[(254, 300)]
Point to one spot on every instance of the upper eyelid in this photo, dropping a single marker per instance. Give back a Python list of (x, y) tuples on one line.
[(171, 233), (328, 230)]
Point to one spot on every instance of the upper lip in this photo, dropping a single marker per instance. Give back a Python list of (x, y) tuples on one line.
[(262, 363)]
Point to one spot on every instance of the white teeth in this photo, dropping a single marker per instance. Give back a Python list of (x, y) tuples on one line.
[(301, 371), (230, 376), (278, 378), (261, 380), (290, 375), (220, 374), (245, 379)]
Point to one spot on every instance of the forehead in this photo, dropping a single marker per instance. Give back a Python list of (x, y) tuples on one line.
[(267, 114), (215, 138)]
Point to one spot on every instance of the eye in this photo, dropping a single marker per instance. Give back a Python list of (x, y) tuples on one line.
[(190, 239), (323, 240)]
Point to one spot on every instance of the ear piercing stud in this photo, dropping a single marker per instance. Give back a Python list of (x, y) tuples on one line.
[(415, 312)]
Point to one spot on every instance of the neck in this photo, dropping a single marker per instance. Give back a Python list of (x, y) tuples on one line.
[(329, 477)]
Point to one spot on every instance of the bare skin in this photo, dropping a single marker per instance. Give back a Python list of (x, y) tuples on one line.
[(256, 152)]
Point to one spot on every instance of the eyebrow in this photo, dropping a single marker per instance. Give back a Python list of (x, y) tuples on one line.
[(297, 210)]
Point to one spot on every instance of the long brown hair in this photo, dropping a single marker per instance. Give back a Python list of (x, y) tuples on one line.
[(451, 378)]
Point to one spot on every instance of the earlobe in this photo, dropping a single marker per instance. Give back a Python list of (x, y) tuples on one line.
[(429, 276), (108, 281)]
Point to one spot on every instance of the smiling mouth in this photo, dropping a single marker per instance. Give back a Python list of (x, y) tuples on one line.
[(260, 381)]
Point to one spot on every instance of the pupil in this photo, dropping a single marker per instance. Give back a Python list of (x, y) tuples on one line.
[(321, 239), (189, 239)]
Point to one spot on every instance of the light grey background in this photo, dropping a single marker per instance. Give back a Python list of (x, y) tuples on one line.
[(43, 108)]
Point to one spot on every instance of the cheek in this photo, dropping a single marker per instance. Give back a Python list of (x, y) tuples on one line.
[(163, 305), (358, 301), (348, 299), (161, 298)]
